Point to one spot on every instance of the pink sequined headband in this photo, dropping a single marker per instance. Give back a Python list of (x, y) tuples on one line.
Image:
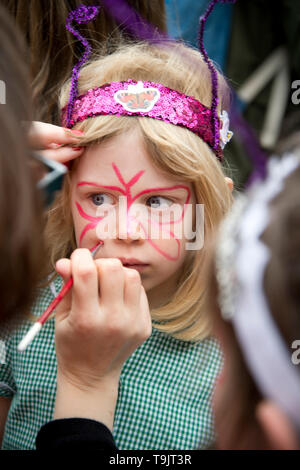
[(166, 104), (129, 98)]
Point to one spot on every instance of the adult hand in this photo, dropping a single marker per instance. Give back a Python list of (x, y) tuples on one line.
[(99, 324), (54, 142)]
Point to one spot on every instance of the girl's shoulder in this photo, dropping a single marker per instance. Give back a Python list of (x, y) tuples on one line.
[(163, 351), (165, 340), (20, 324), (43, 345)]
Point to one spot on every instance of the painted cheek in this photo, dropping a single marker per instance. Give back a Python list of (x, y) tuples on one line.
[(160, 235), (165, 237), (93, 222), (170, 248)]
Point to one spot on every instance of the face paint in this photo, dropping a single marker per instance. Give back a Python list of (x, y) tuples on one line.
[(129, 204), (93, 224)]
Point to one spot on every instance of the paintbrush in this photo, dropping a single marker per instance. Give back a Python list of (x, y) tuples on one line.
[(37, 326)]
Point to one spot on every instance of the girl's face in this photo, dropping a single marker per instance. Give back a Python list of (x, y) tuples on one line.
[(118, 196)]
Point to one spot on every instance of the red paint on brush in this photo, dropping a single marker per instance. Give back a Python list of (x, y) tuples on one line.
[(44, 317)]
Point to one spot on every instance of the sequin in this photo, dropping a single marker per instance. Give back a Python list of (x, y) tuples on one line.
[(173, 107)]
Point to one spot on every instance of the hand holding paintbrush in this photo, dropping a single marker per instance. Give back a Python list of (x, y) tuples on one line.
[(98, 325), (36, 328)]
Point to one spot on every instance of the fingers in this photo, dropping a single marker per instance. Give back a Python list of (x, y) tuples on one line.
[(111, 281), (136, 300), (98, 332), (146, 317), (85, 298), (62, 154), (41, 135), (132, 287), (107, 294), (63, 268)]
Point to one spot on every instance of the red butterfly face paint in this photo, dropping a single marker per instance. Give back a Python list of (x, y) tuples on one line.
[(119, 196), (173, 250)]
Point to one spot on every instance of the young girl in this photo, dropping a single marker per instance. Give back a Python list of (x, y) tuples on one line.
[(149, 145)]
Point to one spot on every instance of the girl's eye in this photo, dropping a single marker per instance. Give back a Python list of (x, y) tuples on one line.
[(159, 202), (100, 198)]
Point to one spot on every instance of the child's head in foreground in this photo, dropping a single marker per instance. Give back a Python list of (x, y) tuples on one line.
[(152, 163), (255, 299)]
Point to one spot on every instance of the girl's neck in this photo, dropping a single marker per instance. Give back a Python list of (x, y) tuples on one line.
[(160, 295)]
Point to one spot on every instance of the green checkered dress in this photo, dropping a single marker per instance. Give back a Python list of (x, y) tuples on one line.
[(164, 394)]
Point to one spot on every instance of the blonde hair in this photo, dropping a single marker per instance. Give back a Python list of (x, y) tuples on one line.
[(174, 150)]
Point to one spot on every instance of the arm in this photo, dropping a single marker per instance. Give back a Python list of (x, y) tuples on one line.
[(96, 330), (97, 403), (75, 434), (4, 408)]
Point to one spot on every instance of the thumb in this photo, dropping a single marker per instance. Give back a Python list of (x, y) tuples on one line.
[(64, 269)]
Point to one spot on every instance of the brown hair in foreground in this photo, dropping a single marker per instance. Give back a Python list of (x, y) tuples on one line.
[(20, 211), (238, 397)]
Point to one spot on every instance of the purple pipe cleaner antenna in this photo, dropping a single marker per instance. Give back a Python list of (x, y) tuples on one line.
[(82, 14), (133, 22), (213, 72)]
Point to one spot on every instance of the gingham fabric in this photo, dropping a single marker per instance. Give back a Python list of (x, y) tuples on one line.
[(164, 394)]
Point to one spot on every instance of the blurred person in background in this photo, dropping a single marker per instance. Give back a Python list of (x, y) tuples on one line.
[(254, 293), (53, 50)]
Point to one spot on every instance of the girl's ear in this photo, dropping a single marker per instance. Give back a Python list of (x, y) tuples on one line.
[(278, 429), (229, 183)]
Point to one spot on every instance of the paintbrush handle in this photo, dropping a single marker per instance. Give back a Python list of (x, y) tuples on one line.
[(36, 327), (56, 301)]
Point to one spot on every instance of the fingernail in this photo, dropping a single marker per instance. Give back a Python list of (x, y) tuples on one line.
[(55, 146), (58, 264), (74, 131), (76, 149)]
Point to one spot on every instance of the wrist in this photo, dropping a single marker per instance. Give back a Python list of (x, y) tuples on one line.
[(77, 400)]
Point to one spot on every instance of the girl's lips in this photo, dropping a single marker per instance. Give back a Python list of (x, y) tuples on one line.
[(132, 261), (138, 267)]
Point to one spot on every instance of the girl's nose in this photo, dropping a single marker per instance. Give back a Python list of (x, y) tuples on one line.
[(129, 229)]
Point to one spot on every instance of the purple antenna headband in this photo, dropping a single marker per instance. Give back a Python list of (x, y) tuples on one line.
[(193, 115), (129, 98), (213, 72), (82, 14)]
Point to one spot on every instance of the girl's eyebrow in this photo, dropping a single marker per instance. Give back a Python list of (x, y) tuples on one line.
[(97, 185), (165, 189), (88, 183), (157, 188)]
